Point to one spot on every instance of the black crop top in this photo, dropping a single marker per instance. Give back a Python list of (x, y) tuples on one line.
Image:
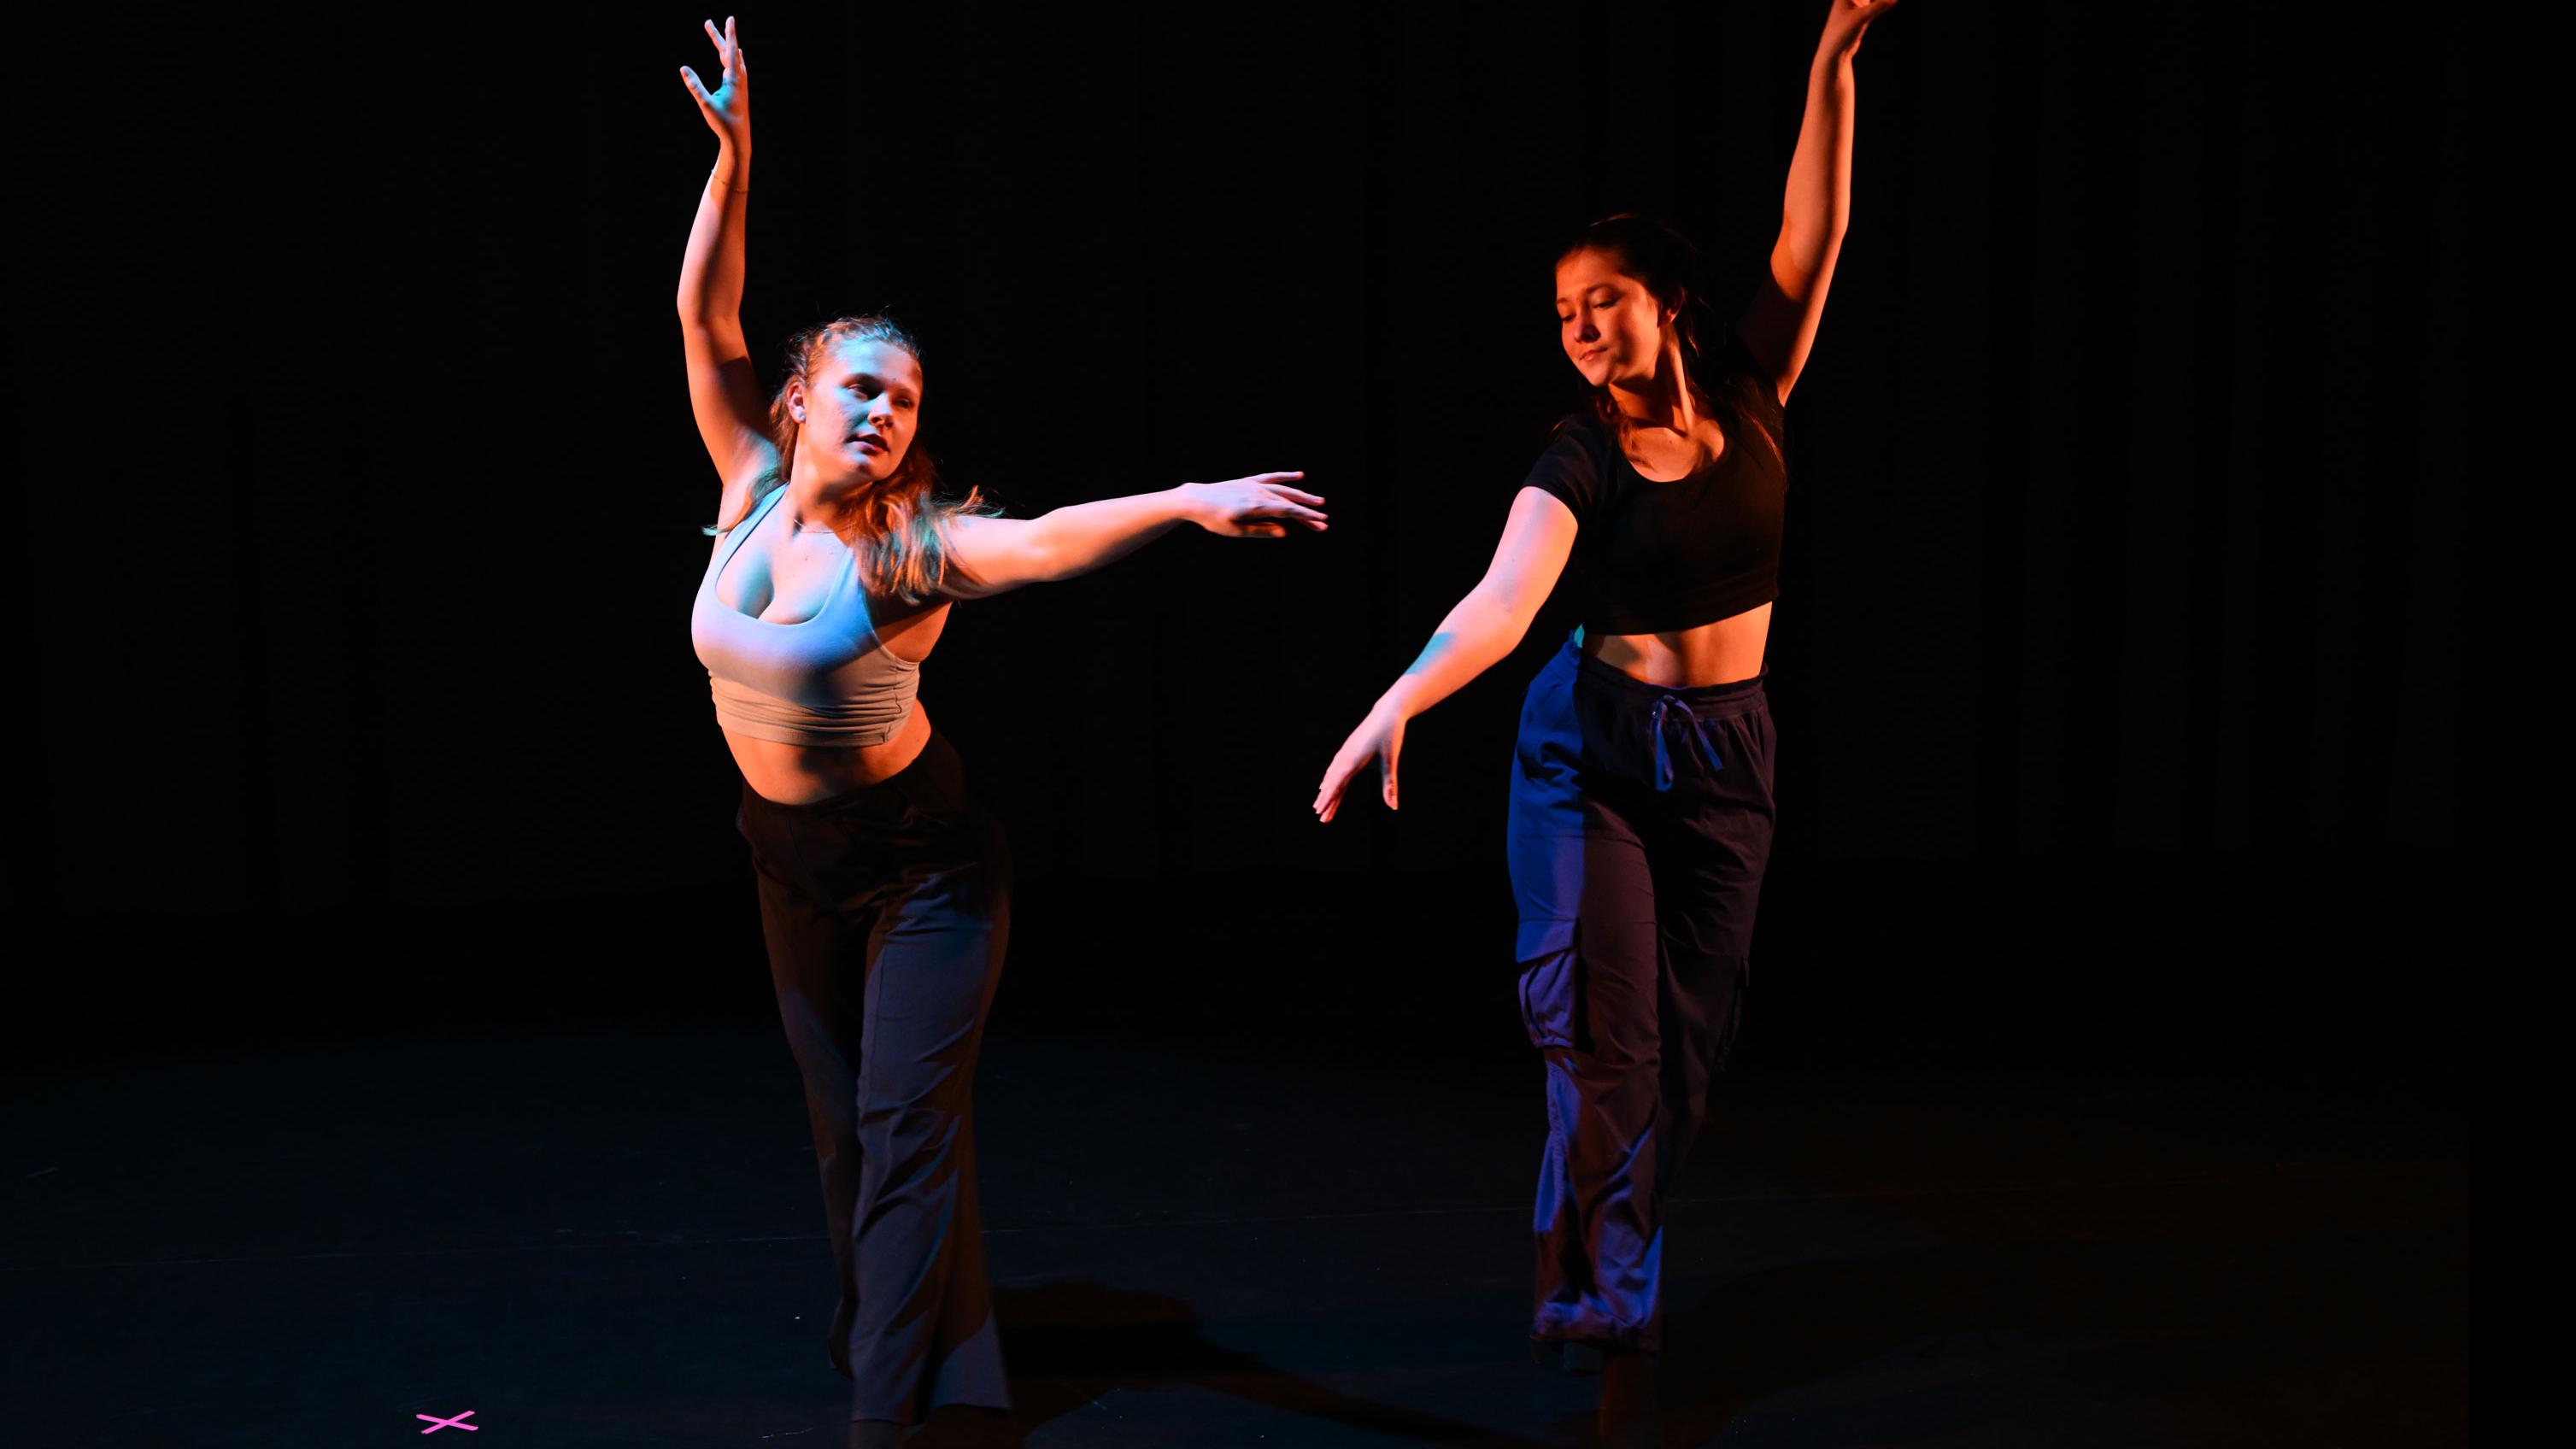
[(1653, 557)]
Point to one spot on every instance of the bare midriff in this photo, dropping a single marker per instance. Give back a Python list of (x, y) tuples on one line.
[(1722, 652), (803, 774)]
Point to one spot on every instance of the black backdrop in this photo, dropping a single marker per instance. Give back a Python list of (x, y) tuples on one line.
[(2115, 654)]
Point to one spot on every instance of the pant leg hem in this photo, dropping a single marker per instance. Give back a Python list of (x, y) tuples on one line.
[(908, 1414)]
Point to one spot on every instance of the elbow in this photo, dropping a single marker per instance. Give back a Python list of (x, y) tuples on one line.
[(1799, 274), (1501, 620), (719, 332)]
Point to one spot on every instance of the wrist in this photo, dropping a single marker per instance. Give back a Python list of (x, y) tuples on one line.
[(1183, 500)]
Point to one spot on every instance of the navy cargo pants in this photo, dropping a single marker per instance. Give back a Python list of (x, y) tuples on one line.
[(1640, 824)]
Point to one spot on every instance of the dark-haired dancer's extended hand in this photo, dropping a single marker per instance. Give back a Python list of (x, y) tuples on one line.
[(728, 107), (1482, 628), (1379, 739)]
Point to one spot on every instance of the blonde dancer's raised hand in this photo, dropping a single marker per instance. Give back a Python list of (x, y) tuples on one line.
[(728, 107)]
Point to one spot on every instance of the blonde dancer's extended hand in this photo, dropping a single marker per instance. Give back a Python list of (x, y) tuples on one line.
[(1380, 737), (728, 109), (1252, 507)]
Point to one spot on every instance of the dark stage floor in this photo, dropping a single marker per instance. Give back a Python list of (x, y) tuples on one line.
[(1228, 1236)]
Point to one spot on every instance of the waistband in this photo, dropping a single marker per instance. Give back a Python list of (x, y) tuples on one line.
[(871, 718), (936, 771), (1708, 701)]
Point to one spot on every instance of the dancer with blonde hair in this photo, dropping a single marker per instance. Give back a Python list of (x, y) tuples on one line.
[(884, 887)]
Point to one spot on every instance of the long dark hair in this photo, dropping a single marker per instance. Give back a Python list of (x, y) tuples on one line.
[(1663, 260)]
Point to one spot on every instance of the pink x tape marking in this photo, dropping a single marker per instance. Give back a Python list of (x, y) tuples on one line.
[(436, 1423)]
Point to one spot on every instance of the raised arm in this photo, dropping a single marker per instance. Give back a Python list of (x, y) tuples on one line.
[(988, 556), (1484, 626), (1780, 326), (723, 391)]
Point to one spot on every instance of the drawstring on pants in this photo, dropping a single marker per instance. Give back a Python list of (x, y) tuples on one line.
[(1694, 725)]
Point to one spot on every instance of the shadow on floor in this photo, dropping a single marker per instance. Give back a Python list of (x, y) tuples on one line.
[(1069, 1344)]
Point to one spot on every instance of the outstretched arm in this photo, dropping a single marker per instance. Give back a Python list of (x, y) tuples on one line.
[(1484, 627), (723, 392), (1780, 326), (987, 556)]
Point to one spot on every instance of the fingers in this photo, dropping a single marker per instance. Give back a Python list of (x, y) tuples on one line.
[(1328, 795), (1274, 486), (1251, 528), (1273, 482), (1328, 798), (698, 92), (728, 44), (1290, 503), (1353, 757), (1277, 484), (1356, 753)]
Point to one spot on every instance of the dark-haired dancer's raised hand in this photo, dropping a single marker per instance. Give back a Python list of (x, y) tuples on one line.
[(1847, 22), (1779, 326)]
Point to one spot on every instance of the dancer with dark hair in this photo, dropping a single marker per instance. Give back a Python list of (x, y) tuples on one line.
[(884, 887), (1641, 805)]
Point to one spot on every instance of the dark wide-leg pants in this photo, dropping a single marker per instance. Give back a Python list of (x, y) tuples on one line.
[(886, 912), (1640, 824)]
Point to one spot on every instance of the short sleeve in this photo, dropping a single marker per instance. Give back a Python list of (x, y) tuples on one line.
[(1570, 471)]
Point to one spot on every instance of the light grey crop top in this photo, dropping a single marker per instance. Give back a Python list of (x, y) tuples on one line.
[(826, 681)]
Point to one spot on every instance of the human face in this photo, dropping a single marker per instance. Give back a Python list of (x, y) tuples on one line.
[(860, 408), (1611, 326)]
